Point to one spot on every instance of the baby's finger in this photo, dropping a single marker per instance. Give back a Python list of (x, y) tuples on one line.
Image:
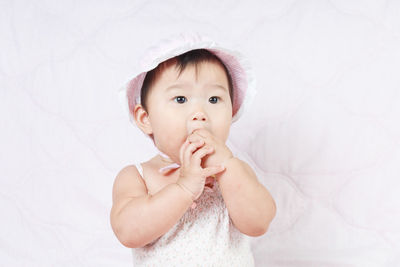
[(205, 135), (213, 170), (199, 154), (202, 133), (187, 154), (182, 150), (194, 138)]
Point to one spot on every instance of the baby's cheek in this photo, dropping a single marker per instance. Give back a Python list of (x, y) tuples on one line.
[(223, 135)]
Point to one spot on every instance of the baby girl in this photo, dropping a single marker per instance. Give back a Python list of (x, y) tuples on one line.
[(195, 203)]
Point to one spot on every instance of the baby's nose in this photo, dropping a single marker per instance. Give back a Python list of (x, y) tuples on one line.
[(199, 116)]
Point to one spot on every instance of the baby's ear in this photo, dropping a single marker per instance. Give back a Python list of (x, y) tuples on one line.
[(142, 119)]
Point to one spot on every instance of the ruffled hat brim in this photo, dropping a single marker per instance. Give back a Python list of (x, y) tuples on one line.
[(242, 79)]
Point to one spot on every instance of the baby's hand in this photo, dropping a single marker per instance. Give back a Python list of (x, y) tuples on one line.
[(221, 152), (192, 175)]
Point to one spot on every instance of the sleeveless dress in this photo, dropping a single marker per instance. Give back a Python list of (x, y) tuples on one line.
[(204, 236)]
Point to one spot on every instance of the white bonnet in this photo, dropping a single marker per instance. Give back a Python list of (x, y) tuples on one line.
[(242, 79)]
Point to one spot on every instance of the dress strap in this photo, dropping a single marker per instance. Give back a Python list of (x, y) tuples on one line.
[(140, 169)]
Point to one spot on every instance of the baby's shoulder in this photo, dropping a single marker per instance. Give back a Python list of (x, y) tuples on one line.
[(129, 183), (137, 168), (129, 170)]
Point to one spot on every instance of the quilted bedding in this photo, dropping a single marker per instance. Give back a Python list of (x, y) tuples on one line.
[(323, 133)]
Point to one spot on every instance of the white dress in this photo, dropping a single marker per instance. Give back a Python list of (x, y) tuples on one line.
[(204, 236)]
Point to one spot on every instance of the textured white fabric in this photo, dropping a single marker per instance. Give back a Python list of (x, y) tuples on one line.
[(204, 236)]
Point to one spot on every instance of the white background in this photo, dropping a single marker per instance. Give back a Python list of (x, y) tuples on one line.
[(324, 132)]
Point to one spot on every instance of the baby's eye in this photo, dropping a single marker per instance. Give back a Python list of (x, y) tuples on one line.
[(214, 99), (180, 99)]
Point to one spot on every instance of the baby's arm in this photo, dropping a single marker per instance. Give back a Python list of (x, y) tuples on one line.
[(137, 218), (250, 205)]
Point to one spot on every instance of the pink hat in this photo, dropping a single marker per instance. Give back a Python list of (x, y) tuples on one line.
[(242, 79)]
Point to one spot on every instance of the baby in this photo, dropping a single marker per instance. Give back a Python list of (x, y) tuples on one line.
[(195, 203)]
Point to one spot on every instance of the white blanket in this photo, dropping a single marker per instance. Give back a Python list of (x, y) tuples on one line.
[(323, 133)]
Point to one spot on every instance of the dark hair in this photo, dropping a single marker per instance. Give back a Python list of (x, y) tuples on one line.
[(193, 57)]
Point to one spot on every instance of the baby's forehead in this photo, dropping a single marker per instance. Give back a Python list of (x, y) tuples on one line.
[(207, 71), (175, 67)]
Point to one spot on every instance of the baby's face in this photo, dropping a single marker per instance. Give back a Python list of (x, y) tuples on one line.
[(179, 105)]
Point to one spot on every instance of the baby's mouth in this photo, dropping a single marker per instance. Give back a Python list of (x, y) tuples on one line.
[(190, 132), (194, 130)]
